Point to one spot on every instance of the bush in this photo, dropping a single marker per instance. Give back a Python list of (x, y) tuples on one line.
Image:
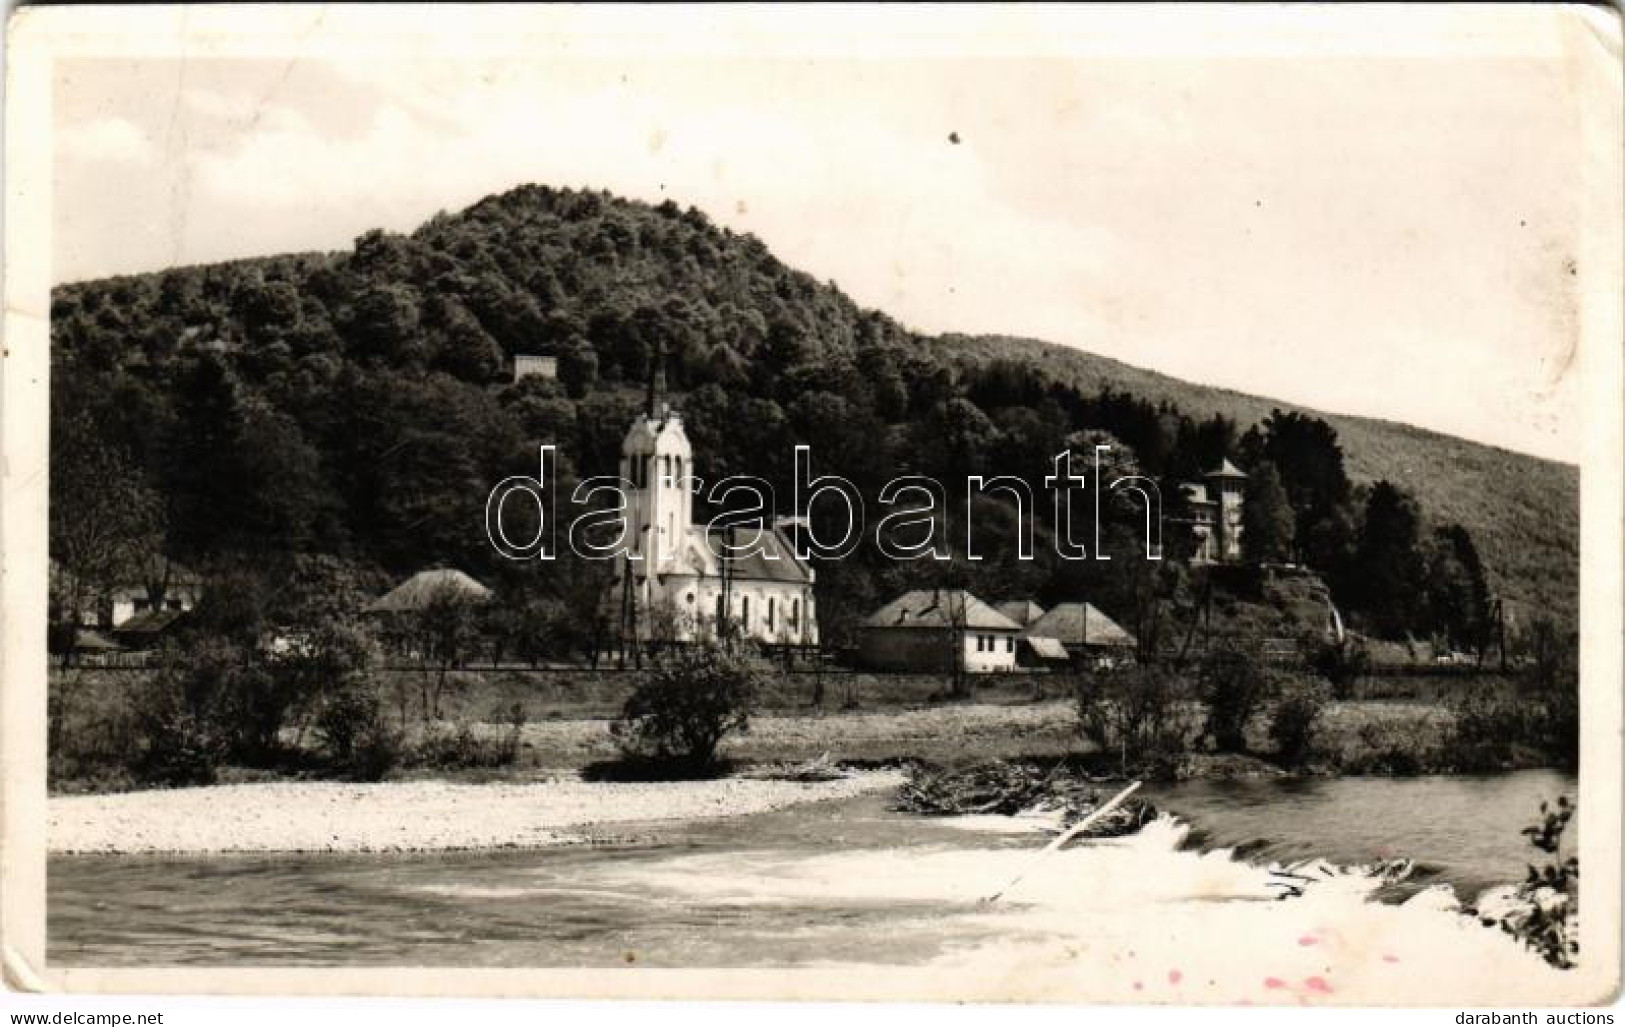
[(688, 702), (356, 735), (462, 748), (1140, 715), (1547, 917), (1490, 733), (1234, 683), (1342, 664), (1398, 746), (1295, 720), (179, 749)]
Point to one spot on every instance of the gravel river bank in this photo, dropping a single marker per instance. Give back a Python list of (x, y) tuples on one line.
[(410, 816)]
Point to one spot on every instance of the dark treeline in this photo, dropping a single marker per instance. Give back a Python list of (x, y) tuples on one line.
[(343, 417)]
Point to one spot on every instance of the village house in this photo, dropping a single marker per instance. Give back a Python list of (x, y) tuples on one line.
[(674, 585), (395, 613), (1022, 611), (1215, 513), (1083, 632), (165, 586), (416, 593), (924, 630)]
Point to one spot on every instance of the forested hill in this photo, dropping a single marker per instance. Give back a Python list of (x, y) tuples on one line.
[(356, 407), (1524, 511)]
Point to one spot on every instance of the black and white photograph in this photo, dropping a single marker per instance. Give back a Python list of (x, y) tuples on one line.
[(991, 504)]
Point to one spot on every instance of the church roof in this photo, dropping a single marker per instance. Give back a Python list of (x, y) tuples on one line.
[(1226, 469), (774, 560), (1079, 624), (936, 608)]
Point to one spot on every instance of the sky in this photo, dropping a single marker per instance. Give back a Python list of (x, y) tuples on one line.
[(1386, 235)]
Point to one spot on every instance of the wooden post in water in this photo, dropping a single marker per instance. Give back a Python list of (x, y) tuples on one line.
[(1066, 836)]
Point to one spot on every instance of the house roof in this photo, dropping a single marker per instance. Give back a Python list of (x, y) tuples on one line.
[(1226, 469), (149, 622), (1079, 624), (937, 608), (1046, 647), (1022, 611), (88, 641), (416, 592)]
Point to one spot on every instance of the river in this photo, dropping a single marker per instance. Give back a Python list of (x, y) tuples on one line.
[(836, 882)]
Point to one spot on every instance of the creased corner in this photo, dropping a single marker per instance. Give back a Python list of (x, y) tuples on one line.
[(19, 976)]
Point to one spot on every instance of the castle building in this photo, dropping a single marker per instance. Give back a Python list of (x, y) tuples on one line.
[(1215, 521), (674, 585)]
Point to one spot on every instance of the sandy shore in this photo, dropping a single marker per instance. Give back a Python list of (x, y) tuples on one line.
[(408, 815)]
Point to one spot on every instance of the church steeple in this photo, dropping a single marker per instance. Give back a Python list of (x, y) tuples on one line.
[(656, 401), (656, 461)]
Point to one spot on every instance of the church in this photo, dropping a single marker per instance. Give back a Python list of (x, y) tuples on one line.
[(674, 585)]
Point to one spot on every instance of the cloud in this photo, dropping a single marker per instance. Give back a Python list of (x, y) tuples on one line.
[(109, 139)]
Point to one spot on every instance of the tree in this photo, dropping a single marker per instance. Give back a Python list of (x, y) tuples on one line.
[(688, 702), (1458, 599), (578, 366), (1389, 561), (105, 522), (1235, 683), (385, 325), (1306, 453), (445, 631), (1267, 525)]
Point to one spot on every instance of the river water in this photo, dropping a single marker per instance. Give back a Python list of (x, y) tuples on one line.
[(837, 882)]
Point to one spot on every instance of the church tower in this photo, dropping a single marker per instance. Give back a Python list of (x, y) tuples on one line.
[(656, 459)]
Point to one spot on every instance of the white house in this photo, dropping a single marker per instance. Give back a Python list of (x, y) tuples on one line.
[(674, 585), (923, 629), (163, 586), (529, 365)]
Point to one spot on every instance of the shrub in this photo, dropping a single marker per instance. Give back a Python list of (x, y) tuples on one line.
[(688, 702), (351, 726), (1234, 683), (1295, 720), (95, 745), (1342, 664), (179, 748), (1489, 732), (1546, 919), (462, 748), (1139, 714)]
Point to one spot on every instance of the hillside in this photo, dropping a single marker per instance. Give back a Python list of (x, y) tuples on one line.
[(357, 407), (1523, 510)]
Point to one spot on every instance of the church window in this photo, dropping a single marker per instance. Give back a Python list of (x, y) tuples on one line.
[(795, 613), (744, 610), (1009, 645), (772, 622), (719, 609)]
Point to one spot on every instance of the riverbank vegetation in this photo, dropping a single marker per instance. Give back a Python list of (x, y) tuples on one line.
[(326, 709)]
